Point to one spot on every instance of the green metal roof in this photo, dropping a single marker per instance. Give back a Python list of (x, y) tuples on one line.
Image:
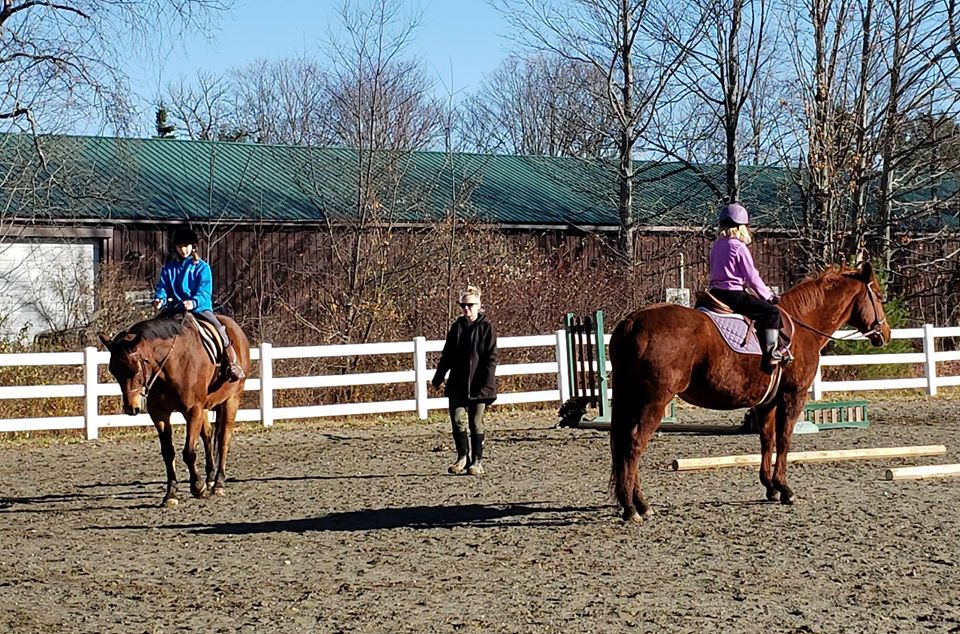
[(167, 180)]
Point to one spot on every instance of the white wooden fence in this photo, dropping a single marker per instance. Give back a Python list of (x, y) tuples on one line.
[(416, 377)]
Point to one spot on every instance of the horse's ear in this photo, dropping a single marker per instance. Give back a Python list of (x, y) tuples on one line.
[(866, 270), (104, 339)]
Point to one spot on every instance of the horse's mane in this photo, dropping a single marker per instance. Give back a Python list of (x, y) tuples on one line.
[(165, 327), (809, 293)]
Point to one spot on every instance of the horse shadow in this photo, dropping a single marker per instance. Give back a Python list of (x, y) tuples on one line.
[(412, 517), (54, 502)]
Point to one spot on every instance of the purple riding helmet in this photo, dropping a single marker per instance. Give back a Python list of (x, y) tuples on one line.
[(734, 213)]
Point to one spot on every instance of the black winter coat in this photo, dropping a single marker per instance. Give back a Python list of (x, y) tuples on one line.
[(470, 354)]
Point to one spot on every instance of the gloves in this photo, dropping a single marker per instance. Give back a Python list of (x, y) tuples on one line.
[(437, 381), (774, 299)]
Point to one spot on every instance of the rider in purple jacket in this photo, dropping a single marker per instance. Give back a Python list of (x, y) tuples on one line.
[(735, 281)]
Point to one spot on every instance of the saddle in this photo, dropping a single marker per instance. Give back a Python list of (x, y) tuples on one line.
[(738, 330), (210, 337)]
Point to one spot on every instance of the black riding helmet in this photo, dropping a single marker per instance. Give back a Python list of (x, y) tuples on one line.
[(185, 236)]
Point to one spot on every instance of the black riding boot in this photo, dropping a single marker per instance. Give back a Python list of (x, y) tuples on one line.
[(230, 369), (769, 344), (476, 464), (462, 441)]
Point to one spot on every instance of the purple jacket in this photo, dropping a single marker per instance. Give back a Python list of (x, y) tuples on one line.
[(732, 268)]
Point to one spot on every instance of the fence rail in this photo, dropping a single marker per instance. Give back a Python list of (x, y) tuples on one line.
[(417, 377)]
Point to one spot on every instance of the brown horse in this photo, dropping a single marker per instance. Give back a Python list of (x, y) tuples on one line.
[(161, 365), (668, 350)]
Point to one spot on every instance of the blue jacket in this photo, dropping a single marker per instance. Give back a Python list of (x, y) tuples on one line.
[(183, 279)]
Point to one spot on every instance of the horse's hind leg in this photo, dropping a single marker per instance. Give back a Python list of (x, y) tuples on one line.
[(196, 420), (226, 415), (630, 433)]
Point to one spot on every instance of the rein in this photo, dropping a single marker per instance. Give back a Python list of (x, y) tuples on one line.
[(148, 385), (874, 328)]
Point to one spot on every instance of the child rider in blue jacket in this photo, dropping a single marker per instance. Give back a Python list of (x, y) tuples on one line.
[(186, 285)]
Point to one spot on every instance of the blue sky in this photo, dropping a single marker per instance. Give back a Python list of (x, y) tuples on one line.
[(458, 41)]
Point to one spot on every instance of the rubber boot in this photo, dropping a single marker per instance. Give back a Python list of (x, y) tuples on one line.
[(476, 464), (769, 344), (462, 442)]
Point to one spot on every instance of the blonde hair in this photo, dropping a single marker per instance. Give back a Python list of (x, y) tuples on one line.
[(470, 290), (740, 232)]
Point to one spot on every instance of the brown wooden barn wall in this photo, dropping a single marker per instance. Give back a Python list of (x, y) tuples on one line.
[(256, 267)]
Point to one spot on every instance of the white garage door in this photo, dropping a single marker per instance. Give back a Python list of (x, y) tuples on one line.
[(46, 286)]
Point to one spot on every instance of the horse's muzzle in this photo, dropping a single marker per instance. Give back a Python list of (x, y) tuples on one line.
[(133, 406), (880, 338)]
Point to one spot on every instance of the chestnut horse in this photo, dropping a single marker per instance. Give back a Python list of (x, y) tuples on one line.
[(668, 350), (162, 367)]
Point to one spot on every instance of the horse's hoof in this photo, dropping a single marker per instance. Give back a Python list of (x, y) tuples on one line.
[(201, 493), (647, 512), (773, 495), (219, 491), (170, 502), (788, 499), (632, 517)]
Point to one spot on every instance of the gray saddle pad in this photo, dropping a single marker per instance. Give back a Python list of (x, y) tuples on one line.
[(736, 331)]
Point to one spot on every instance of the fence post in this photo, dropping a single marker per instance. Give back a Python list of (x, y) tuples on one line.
[(563, 379), (420, 376), (91, 391), (266, 383), (930, 363), (818, 383)]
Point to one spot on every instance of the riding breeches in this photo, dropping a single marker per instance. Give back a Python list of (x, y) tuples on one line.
[(207, 315), (763, 313), (467, 417)]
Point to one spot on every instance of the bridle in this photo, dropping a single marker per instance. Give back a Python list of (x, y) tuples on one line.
[(145, 387), (875, 327)]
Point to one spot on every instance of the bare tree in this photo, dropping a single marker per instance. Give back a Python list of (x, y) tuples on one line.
[(920, 72), (541, 104), (720, 77), (381, 110), (202, 111), (62, 61), (379, 100), (61, 67), (826, 67), (637, 46), (284, 101)]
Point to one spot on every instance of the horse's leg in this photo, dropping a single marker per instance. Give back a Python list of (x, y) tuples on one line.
[(787, 413), (766, 419), (649, 423), (631, 429), (206, 437), (165, 433), (226, 415), (195, 422)]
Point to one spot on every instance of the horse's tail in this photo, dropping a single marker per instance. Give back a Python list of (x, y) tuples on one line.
[(627, 346)]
